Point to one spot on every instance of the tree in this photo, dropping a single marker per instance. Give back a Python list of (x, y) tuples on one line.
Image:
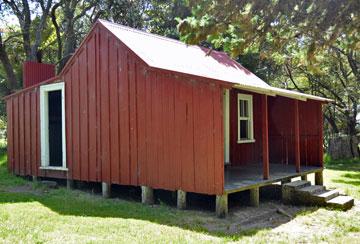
[(69, 33), (161, 17), (269, 26), (309, 46)]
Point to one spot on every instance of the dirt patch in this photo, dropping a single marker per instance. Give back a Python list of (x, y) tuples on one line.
[(279, 218), (269, 214)]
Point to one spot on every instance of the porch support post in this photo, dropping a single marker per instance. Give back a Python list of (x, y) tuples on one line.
[(106, 189), (147, 195), (321, 131), (319, 180), (297, 135), (265, 136), (304, 177), (69, 184), (222, 205), (255, 197), (181, 199), (226, 115)]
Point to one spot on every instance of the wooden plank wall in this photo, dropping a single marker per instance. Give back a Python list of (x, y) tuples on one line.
[(23, 133), (131, 125), (242, 154), (311, 122), (126, 124), (281, 130)]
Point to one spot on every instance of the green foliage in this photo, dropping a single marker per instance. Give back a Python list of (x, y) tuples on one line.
[(309, 46), (161, 17), (270, 26)]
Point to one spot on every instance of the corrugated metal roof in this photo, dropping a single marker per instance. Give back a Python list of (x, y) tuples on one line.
[(169, 54)]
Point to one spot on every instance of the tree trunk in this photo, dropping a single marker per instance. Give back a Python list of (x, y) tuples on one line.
[(11, 78)]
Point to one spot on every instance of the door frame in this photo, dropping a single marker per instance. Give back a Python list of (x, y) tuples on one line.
[(44, 125)]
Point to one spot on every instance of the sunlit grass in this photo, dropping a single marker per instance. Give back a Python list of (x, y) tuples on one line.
[(344, 175), (64, 216)]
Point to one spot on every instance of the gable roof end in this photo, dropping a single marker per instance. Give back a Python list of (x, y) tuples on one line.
[(169, 54)]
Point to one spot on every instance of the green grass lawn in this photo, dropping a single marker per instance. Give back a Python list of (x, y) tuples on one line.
[(30, 213)]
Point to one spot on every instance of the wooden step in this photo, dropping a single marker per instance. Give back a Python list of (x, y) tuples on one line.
[(297, 184), (328, 194), (319, 198), (312, 189), (341, 202)]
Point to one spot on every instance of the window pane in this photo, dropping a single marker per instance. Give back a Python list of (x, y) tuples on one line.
[(244, 129), (244, 108)]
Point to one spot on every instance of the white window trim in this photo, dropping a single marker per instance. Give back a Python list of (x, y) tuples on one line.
[(226, 116), (248, 98), (44, 125)]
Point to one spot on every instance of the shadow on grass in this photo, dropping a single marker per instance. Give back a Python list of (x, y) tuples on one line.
[(344, 165), (348, 182), (355, 176), (79, 203)]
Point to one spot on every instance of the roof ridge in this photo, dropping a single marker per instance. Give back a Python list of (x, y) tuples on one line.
[(144, 32)]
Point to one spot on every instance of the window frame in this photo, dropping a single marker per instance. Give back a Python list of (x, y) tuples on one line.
[(250, 118), (44, 125)]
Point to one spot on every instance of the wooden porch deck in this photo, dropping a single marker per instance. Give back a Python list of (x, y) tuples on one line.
[(242, 178)]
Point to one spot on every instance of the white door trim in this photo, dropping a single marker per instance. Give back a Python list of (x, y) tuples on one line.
[(44, 124)]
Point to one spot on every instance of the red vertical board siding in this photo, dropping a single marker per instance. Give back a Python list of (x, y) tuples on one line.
[(310, 133), (148, 130), (168, 133), (69, 124), (132, 76), (76, 120), (91, 63), (156, 137), (38, 149), (245, 153), (16, 134), (34, 131), (185, 113), (10, 134), (265, 136), (98, 105), (127, 124), (296, 136), (209, 113), (218, 147), (320, 136), (114, 115), (202, 125), (104, 107), (281, 130), (177, 160), (124, 118), (27, 121), (141, 124), (34, 72), (84, 120), (21, 135)]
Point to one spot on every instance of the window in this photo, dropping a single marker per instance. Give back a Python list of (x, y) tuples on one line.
[(245, 118), (52, 122)]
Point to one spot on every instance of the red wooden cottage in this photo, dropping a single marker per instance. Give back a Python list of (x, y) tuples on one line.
[(133, 108)]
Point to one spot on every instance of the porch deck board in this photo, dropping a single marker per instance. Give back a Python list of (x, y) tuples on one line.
[(242, 178)]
